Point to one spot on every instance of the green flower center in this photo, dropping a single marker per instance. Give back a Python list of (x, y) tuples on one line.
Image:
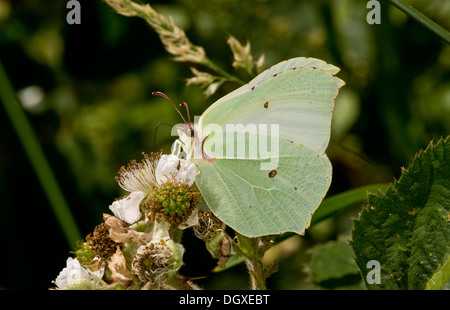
[(175, 200)]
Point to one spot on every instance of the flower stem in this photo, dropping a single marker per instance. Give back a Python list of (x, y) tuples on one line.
[(422, 19), (253, 249), (256, 271)]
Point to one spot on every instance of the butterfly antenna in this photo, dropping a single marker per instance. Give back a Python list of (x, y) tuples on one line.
[(187, 110), (189, 118), (157, 93)]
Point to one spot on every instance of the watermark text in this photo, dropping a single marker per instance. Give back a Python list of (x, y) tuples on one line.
[(373, 17)]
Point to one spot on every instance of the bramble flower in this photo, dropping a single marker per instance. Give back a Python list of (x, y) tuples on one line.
[(156, 261), (138, 179), (76, 277), (142, 179), (171, 168)]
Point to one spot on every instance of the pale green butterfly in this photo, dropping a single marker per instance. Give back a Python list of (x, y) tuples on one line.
[(252, 193)]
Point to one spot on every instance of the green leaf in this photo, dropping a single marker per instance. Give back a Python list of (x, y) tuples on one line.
[(407, 230), (440, 278), (332, 266)]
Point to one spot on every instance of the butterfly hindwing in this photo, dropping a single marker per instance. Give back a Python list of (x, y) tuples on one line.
[(258, 202)]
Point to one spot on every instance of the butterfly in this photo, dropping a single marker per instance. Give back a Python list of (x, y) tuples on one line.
[(253, 190)]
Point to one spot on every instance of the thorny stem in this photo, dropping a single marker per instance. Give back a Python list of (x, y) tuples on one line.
[(253, 249), (256, 271)]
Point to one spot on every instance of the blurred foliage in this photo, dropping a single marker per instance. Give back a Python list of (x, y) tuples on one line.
[(87, 91)]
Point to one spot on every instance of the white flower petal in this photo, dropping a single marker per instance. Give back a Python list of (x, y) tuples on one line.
[(167, 168), (127, 208), (187, 172), (76, 276)]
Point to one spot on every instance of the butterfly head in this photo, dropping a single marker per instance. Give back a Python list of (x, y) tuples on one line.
[(188, 145)]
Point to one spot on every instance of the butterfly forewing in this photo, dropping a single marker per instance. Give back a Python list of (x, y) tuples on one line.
[(298, 62), (300, 101)]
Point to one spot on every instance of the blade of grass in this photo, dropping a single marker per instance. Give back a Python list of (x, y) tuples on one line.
[(422, 19), (364, 159), (341, 201), (37, 159)]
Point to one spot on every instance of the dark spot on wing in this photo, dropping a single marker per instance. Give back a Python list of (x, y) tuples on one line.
[(295, 187), (272, 173), (266, 105), (252, 88)]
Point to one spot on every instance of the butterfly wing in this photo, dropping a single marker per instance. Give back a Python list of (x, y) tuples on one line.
[(258, 202), (298, 96), (298, 62), (299, 100)]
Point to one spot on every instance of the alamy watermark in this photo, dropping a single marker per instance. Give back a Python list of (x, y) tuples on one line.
[(74, 14), (232, 141), (374, 15), (373, 276)]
